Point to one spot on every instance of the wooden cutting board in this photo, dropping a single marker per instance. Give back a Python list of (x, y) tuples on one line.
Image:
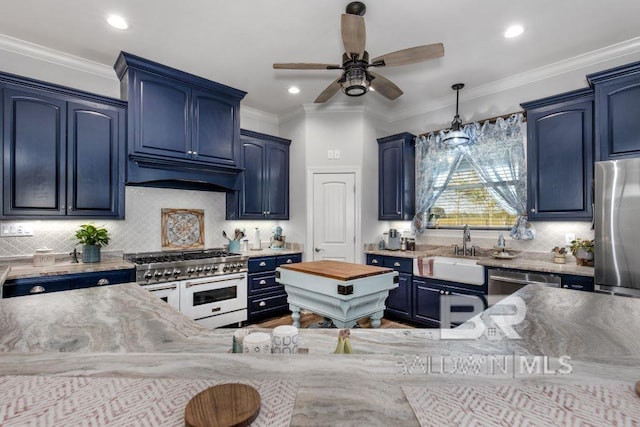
[(338, 270), (223, 405)]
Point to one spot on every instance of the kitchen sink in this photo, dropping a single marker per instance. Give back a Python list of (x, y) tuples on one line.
[(460, 270)]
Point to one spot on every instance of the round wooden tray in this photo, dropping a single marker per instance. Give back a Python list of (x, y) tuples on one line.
[(223, 405)]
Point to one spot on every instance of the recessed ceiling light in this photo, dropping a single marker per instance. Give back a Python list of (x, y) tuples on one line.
[(513, 31), (294, 90), (117, 21)]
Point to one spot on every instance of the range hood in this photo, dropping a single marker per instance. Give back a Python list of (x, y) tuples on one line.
[(169, 173)]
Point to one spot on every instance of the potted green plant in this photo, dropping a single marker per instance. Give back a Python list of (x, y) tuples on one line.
[(583, 251), (559, 254), (92, 238)]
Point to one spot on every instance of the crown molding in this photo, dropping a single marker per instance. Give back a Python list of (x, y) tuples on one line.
[(605, 54), (57, 57), (258, 115)]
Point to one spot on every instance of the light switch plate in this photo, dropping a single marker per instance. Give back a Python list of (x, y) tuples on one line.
[(16, 229)]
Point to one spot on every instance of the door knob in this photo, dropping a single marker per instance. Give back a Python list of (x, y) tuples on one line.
[(318, 249)]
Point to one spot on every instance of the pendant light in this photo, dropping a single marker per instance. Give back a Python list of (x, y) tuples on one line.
[(456, 136)]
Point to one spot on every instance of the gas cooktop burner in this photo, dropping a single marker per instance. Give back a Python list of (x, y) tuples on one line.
[(153, 267), (174, 256)]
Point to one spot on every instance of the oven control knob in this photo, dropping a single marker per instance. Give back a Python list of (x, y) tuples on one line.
[(148, 275), (176, 272), (224, 269), (190, 270), (199, 269), (158, 273), (207, 268), (214, 268), (168, 273)]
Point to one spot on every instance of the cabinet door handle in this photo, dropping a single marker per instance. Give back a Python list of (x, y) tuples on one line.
[(447, 292), (289, 260), (441, 292), (262, 264), (399, 213), (374, 261), (36, 290), (396, 264), (103, 282), (195, 153), (262, 304), (189, 152), (533, 210), (262, 282)]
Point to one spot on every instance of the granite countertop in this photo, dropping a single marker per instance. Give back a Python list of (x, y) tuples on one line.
[(269, 252), (123, 331), (21, 268), (532, 261)]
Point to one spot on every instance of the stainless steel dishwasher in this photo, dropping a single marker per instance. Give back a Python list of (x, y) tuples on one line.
[(503, 283)]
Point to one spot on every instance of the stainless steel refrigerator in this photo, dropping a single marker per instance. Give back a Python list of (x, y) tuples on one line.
[(617, 226)]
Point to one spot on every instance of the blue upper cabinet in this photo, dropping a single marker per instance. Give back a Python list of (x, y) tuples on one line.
[(63, 151), (181, 127), (560, 157), (264, 192), (617, 108), (396, 177)]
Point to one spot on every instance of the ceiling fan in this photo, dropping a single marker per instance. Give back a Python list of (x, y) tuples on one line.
[(356, 78)]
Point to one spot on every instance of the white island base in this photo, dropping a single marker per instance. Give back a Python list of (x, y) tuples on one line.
[(340, 291)]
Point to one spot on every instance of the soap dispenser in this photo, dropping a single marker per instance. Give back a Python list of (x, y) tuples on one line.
[(501, 240)]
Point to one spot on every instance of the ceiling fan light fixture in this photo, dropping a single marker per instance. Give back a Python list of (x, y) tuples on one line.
[(456, 136), (355, 83)]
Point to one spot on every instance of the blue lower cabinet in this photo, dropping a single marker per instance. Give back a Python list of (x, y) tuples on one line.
[(267, 297), (399, 300), (443, 305), (65, 282), (577, 283)]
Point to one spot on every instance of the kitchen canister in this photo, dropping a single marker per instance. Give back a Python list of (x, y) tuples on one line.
[(256, 343), (43, 257), (285, 339)]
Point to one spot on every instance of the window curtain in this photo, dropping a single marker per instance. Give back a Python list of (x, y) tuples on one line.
[(497, 154), (433, 160)]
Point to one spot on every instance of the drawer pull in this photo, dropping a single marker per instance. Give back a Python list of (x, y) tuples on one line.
[(289, 260), (262, 282), (374, 261), (262, 304), (103, 282), (262, 264), (36, 290), (396, 264)]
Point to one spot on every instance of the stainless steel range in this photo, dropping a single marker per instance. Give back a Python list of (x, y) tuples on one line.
[(209, 286)]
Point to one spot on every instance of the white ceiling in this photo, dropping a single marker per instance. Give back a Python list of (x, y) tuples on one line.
[(235, 42)]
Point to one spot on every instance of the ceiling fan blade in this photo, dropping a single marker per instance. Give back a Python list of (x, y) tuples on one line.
[(353, 34), (385, 87), (329, 91), (305, 66), (410, 55)]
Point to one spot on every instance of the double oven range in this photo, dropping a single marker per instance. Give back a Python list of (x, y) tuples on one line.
[(208, 286)]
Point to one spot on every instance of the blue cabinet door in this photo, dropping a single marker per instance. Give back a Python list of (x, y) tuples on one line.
[(396, 177), (264, 188), (560, 157), (252, 200), (95, 160), (34, 138), (617, 108), (276, 185), (214, 129), (399, 300), (161, 109), (426, 302)]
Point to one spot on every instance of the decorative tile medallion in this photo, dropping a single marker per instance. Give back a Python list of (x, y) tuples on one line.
[(182, 228)]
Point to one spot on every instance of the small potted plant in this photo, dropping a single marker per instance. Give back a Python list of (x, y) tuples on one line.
[(92, 238), (559, 254), (583, 251)]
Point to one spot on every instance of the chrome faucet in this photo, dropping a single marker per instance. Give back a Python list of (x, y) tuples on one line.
[(466, 237)]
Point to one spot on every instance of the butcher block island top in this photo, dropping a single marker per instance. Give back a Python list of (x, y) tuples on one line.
[(343, 271)]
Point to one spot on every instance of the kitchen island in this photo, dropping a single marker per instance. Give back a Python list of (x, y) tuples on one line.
[(121, 331)]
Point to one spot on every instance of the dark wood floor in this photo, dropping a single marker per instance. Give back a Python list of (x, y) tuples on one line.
[(309, 319)]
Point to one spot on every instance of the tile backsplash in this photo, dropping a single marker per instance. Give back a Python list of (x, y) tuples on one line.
[(140, 231)]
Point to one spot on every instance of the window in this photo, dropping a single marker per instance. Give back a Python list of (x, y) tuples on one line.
[(467, 200)]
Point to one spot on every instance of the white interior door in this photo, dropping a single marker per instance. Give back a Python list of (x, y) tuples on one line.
[(334, 218)]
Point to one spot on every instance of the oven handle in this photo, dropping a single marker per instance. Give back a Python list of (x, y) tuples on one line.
[(226, 279), (161, 288)]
